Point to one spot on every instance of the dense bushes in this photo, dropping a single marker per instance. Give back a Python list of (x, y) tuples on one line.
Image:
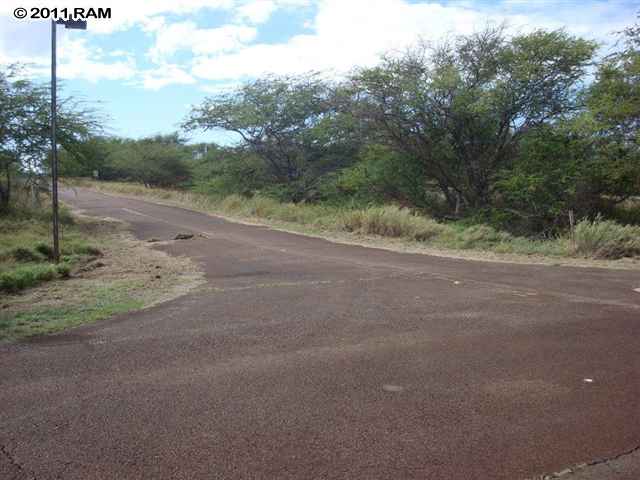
[(25, 111), (505, 129), (160, 160), (301, 128)]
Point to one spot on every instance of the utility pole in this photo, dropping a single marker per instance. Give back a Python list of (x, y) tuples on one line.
[(54, 149), (73, 24)]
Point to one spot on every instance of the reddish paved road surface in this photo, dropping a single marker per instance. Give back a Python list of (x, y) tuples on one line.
[(305, 359)]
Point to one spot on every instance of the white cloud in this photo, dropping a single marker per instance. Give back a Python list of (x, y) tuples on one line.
[(355, 32), (256, 11), (28, 41), (126, 14), (77, 60), (200, 41), (341, 34), (344, 34), (165, 74), (120, 53)]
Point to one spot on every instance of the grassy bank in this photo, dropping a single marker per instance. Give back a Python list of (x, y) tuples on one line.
[(26, 253), (98, 303), (592, 239), (38, 297)]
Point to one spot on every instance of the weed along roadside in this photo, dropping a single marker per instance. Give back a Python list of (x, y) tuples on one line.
[(90, 284), (594, 242), (26, 256)]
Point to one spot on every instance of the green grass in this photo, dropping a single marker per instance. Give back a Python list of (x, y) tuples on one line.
[(25, 253), (25, 261), (98, 304), (596, 239), (25, 276)]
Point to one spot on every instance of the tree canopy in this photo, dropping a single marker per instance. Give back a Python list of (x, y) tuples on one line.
[(295, 124), (463, 107), (25, 117)]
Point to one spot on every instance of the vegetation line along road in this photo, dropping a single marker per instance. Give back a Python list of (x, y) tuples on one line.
[(387, 227)]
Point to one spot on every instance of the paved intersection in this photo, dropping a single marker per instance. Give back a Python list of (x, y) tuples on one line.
[(305, 359)]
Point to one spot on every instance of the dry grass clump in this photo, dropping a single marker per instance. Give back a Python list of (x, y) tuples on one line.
[(599, 238), (390, 221)]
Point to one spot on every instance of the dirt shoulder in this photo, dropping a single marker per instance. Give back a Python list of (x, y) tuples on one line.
[(129, 275)]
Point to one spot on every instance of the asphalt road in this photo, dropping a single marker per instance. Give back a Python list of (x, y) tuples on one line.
[(305, 359)]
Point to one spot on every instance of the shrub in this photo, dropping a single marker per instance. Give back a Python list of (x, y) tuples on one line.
[(26, 276), (65, 217), (23, 254), (74, 246), (232, 203), (384, 175), (482, 236), (44, 249), (628, 213), (262, 207), (64, 270), (606, 239), (390, 221)]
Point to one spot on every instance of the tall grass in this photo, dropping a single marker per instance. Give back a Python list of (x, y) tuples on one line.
[(390, 221), (606, 239)]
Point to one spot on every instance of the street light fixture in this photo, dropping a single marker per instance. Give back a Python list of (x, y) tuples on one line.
[(75, 25)]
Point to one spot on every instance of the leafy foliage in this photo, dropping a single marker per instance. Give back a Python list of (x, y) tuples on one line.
[(160, 160), (295, 125), (25, 117), (463, 107)]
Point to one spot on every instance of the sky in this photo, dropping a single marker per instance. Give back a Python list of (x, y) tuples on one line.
[(146, 65)]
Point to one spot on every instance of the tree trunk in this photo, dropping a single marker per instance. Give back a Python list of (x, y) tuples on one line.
[(5, 190)]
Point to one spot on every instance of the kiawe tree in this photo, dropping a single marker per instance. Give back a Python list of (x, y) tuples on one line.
[(463, 107), (159, 160), (614, 98), (613, 120), (25, 117), (295, 125), (23, 120)]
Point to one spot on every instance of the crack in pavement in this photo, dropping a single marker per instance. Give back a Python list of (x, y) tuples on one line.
[(17, 466), (583, 467)]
